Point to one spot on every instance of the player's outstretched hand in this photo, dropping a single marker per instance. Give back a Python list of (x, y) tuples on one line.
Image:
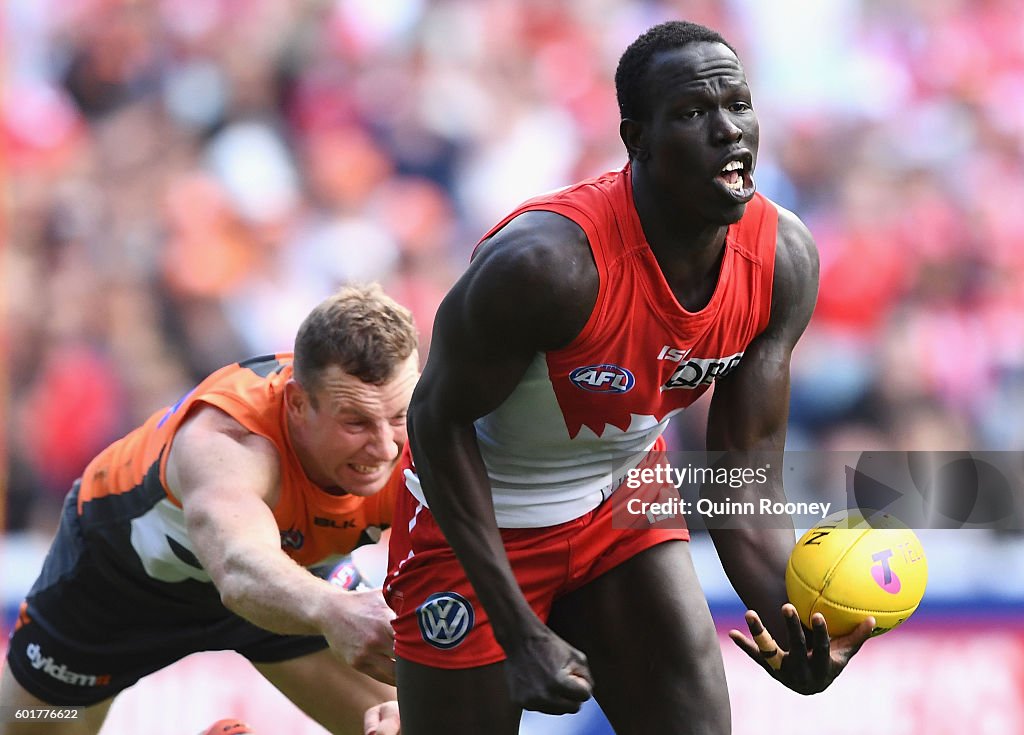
[(546, 674), (358, 629), (382, 719), (802, 669)]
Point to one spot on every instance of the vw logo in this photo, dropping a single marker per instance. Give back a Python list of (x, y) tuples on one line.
[(445, 619)]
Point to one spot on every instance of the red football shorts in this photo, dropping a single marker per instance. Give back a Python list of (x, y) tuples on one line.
[(441, 623)]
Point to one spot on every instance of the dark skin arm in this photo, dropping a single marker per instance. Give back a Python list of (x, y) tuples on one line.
[(747, 421), (530, 289)]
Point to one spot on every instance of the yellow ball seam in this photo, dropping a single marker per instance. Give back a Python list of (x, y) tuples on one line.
[(827, 580), (848, 608)]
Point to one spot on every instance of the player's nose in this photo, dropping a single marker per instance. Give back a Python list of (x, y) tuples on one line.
[(725, 130), (384, 443)]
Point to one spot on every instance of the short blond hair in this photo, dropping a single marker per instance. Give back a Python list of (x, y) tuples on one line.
[(361, 330)]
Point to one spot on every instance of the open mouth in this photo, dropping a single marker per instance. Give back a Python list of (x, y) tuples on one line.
[(735, 178)]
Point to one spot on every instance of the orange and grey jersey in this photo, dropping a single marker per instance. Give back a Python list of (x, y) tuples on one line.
[(128, 515)]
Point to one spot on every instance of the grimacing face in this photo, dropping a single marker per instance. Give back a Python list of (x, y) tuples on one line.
[(702, 134), (352, 439)]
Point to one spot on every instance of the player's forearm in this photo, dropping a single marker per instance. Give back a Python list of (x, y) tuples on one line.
[(754, 551), (755, 562), (479, 549), (457, 490), (270, 590)]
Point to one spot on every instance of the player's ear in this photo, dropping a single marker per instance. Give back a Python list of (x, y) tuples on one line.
[(634, 137), (296, 398)]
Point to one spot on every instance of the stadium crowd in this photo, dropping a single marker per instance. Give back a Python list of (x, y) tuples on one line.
[(188, 177)]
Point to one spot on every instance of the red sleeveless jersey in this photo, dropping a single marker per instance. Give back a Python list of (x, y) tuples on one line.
[(582, 415), (641, 352)]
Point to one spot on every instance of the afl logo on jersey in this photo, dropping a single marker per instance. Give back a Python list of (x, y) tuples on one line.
[(445, 619), (604, 378)]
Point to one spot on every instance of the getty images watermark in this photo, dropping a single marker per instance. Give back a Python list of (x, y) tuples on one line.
[(667, 476), (951, 490)]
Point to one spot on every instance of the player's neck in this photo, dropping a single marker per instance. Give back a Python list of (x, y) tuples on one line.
[(674, 234), (680, 244), (688, 249), (692, 280)]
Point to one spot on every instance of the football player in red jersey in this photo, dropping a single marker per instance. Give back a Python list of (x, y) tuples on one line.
[(586, 319)]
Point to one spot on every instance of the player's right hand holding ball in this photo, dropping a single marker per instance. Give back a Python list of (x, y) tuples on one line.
[(855, 570), (807, 670)]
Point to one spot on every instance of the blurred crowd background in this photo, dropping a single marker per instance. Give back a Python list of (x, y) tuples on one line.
[(186, 178)]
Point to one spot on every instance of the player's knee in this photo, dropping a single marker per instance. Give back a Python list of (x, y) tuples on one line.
[(693, 677), (707, 670)]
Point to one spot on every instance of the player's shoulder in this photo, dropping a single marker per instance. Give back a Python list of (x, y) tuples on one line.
[(795, 278), (794, 238), (537, 243), (206, 422), (210, 444), (545, 239), (242, 398), (243, 377), (796, 253), (538, 273), (596, 196)]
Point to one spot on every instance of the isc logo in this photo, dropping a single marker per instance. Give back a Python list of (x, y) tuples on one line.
[(603, 378)]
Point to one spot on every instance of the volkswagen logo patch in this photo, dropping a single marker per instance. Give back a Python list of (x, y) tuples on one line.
[(445, 619)]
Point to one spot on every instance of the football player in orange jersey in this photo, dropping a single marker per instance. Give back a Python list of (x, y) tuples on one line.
[(194, 532)]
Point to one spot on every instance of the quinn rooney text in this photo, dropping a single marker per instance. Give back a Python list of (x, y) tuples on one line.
[(713, 508)]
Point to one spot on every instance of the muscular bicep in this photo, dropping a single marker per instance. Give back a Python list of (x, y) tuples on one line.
[(750, 407), (226, 480), (529, 290)]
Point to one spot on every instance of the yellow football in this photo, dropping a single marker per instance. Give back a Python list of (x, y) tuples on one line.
[(848, 568)]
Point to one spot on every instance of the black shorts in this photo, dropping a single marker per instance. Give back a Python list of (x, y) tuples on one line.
[(92, 625)]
